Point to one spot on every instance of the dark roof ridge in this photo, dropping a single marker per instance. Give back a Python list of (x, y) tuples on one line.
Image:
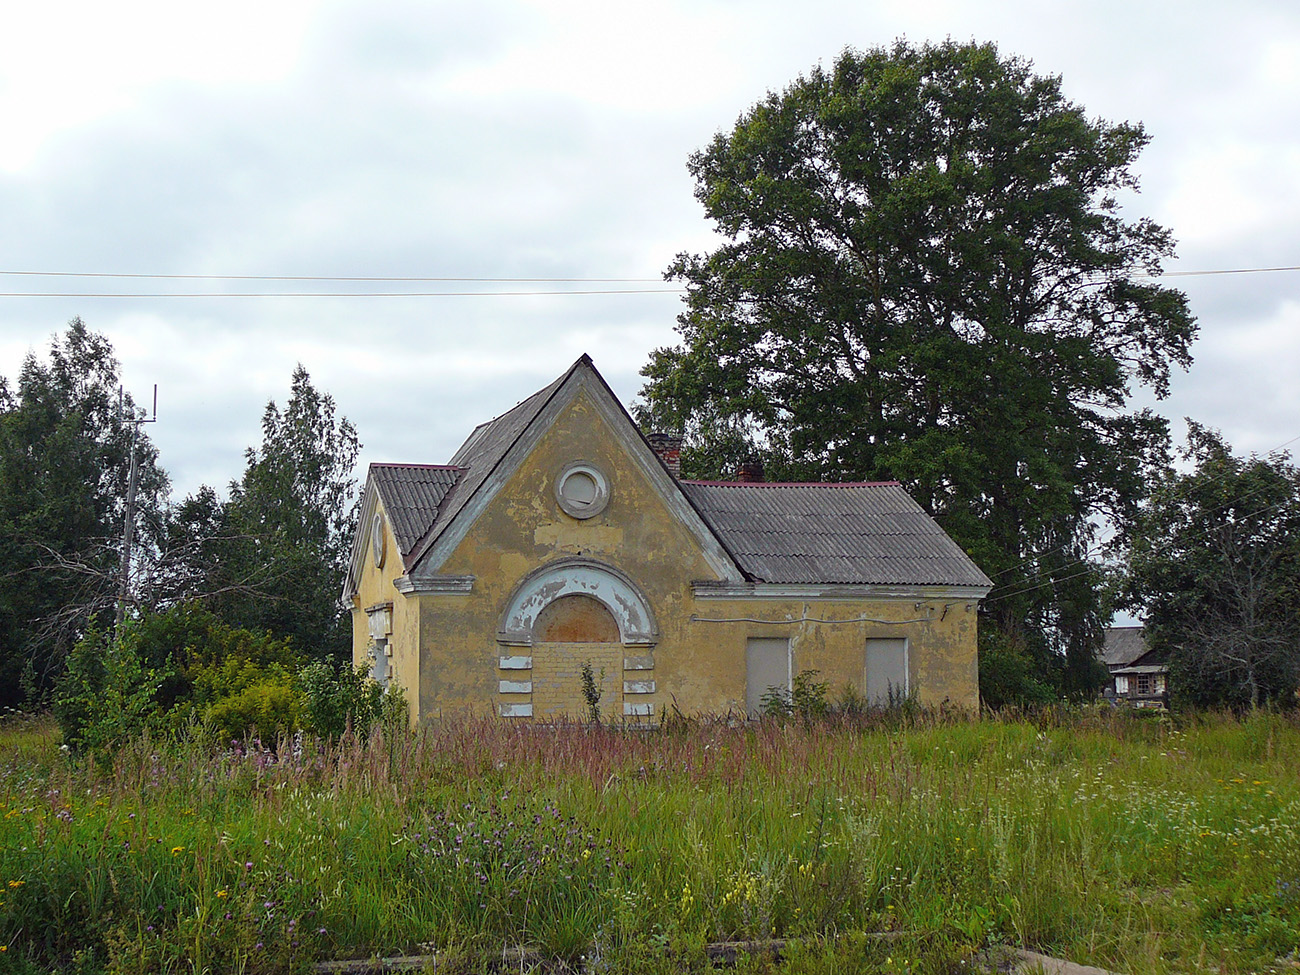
[(771, 484), (425, 467), (480, 468)]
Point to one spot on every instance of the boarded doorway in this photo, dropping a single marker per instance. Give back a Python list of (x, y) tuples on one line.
[(767, 667), (886, 671), (571, 632)]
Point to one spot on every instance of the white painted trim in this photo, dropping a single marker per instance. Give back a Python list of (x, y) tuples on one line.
[(360, 543), (582, 376), (516, 710), (639, 663), (515, 663), (574, 509), (707, 589), (638, 710), (578, 577), (638, 687), (515, 687), (433, 585)]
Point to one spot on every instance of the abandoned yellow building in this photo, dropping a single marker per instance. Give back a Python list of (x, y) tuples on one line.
[(560, 536)]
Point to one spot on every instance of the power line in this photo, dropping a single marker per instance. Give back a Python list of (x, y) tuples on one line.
[(335, 294), (448, 279), (1097, 549), (1233, 270), (313, 277)]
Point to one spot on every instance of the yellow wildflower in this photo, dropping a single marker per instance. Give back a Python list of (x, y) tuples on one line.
[(177, 849), (16, 883)]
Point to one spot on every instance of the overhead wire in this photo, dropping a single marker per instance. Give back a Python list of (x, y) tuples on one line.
[(420, 279), (1096, 549), (1155, 549), (336, 294), (321, 277)]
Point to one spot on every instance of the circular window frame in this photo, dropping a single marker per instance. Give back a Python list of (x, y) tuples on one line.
[(378, 540), (578, 509)]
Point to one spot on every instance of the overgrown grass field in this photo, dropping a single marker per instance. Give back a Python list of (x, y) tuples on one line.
[(1138, 843)]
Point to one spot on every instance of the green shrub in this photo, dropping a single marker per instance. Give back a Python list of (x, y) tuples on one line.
[(1007, 676), (263, 711), (106, 695), (338, 699), (174, 671), (808, 695)]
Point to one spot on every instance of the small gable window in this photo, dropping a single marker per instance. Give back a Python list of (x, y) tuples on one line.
[(582, 491), (378, 540)]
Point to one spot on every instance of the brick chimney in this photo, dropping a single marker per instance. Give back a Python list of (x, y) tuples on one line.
[(750, 471), (669, 448)]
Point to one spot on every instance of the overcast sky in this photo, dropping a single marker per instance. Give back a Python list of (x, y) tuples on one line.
[(510, 139)]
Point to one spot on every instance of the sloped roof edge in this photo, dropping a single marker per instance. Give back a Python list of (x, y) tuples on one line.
[(491, 448)]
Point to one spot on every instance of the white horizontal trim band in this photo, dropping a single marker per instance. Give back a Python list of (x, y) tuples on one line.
[(708, 589), (434, 585)]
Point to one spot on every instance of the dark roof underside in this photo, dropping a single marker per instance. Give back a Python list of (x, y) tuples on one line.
[(411, 494), (863, 534)]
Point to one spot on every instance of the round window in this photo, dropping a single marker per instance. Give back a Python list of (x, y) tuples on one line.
[(378, 540), (582, 491)]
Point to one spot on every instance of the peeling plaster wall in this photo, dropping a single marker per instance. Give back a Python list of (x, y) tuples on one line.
[(698, 666), (376, 587)]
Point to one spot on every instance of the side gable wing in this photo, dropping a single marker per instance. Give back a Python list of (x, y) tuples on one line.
[(411, 496)]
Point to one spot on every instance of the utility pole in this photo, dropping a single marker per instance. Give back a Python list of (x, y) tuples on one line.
[(128, 528)]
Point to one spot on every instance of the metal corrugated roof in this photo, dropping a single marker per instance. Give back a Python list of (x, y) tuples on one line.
[(411, 494), (480, 454), (864, 534)]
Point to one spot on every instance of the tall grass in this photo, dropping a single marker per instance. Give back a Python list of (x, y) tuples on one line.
[(1132, 842)]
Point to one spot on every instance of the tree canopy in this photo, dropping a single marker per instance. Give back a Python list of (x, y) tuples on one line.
[(1215, 567), (65, 441), (269, 558), (926, 276), (273, 556)]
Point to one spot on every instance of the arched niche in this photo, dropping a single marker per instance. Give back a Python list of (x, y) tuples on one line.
[(578, 577), (576, 619)]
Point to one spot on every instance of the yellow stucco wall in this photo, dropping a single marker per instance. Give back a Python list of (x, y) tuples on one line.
[(698, 666), (376, 588)]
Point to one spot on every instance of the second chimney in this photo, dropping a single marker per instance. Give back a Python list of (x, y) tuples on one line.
[(669, 448), (750, 471)]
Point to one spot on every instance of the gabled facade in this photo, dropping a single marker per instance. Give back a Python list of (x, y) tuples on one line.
[(556, 538)]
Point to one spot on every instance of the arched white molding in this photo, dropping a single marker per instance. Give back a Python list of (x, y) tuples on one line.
[(578, 577)]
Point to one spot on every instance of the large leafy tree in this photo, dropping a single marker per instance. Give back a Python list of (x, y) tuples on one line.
[(925, 276), (1215, 568), (65, 440), (272, 557)]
